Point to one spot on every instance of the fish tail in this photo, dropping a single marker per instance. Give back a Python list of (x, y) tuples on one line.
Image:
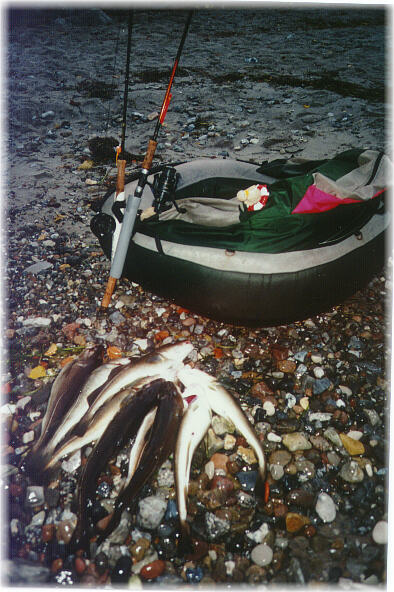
[(185, 545), (112, 524)]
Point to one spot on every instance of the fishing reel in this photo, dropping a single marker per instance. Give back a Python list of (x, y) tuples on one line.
[(164, 187)]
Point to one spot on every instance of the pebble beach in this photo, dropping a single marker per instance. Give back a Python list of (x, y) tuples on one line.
[(256, 84)]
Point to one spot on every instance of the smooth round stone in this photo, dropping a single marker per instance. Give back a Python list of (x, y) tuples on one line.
[(101, 563), (380, 532), (277, 472), (351, 472), (294, 521), (153, 570), (80, 565), (325, 507), (280, 457), (300, 497), (296, 441), (139, 549), (64, 530), (318, 372), (210, 469), (262, 555), (122, 570), (272, 437), (47, 532)]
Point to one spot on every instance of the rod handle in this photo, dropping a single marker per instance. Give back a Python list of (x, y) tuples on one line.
[(150, 152), (121, 176), (108, 292)]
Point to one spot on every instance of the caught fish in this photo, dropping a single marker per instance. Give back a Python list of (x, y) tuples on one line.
[(222, 403), (94, 430), (90, 391), (165, 361), (133, 420), (65, 389), (160, 444), (193, 428)]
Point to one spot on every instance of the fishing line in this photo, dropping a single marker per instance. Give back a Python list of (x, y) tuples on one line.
[(113, 78)]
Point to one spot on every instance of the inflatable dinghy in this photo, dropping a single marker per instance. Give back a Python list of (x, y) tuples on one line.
[(314, 235)]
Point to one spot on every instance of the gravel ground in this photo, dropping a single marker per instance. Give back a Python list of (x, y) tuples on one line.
[(302, 82)]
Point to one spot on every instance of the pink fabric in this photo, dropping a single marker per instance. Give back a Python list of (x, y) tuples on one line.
[(315, 200)]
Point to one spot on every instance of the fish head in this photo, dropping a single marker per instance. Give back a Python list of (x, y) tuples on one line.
[(91, 352), (190, 377), (176, 351)]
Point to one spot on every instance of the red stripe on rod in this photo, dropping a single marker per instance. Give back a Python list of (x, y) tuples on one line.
[(168, 95)]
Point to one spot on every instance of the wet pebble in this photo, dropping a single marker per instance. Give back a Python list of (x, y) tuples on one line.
[(296, 441), (122, 570), (351, 472), (325, 507), (380, 532), (153, 570), (262, 555), (151, 512)]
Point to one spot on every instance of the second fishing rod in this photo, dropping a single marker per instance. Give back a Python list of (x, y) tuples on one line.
[(133, 202)]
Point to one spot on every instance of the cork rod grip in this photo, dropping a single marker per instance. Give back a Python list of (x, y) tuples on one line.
[(108, 292), (120, 178), (149, 154)]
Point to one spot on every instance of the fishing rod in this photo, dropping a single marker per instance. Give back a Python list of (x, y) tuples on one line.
[(133, 202), (120, 150)]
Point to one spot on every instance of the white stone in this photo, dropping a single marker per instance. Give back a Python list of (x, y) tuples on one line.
[(28, 437), (8, 409), (355, 434), (345, 390), (21, 404), (259, 535), (165, 477), (269, 408), (380, 532), (151, 511), (316, 358), (291, 400), (318, 372), (141, 343), (37, 322), (319, 416), (229, 442), (210, 469), (262, 555), (325, 507), (272, 437), (71, 464), (229, 567), (304, 402)]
